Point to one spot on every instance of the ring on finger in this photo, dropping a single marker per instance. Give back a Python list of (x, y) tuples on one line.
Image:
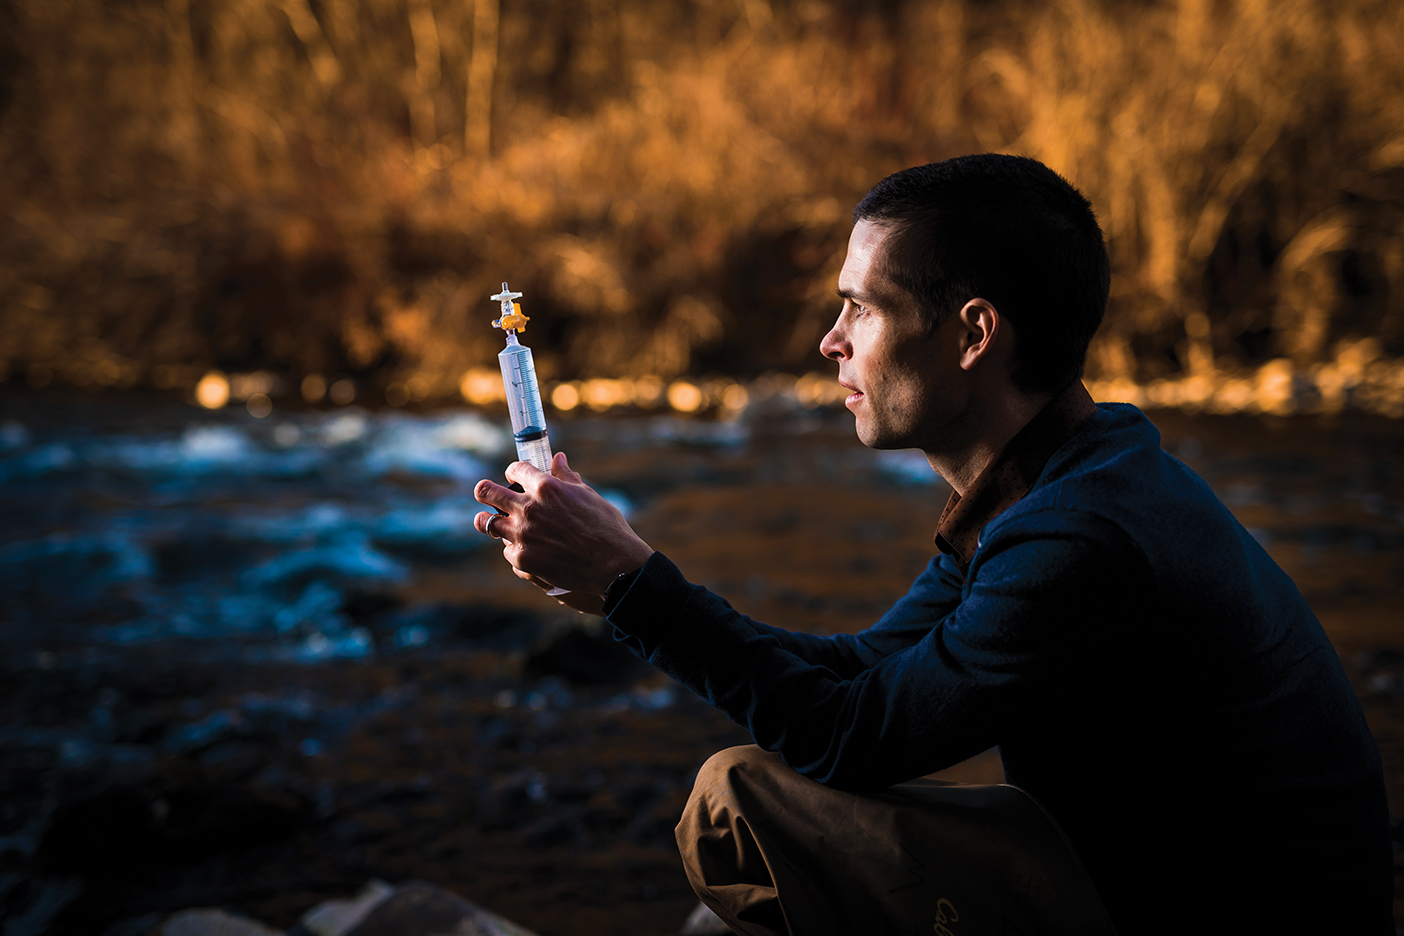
[(488, 527)]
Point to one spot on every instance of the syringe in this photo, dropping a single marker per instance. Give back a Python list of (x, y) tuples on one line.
[(519, 381), (523, 393)]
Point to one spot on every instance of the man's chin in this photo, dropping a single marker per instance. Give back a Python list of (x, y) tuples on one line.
[(872, 438), (881, 441)]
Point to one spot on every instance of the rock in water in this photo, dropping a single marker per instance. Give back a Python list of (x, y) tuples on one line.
[(703, 922), (418, 908), (210, 921), (336, 917)]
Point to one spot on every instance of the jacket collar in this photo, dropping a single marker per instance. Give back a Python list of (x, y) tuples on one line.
[(1010, 476)]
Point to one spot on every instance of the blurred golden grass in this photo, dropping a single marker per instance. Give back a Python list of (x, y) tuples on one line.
[(334, 187)]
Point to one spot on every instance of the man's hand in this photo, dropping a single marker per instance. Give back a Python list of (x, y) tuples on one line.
[(559, 532)]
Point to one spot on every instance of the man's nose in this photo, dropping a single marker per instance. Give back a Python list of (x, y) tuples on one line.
[(834, 345)]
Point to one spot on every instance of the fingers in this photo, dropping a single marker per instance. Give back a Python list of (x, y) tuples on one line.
[(509, 502), (533, 579), (495, 495), (491, 524), (559, 531), (584, 602), (530, 477), (526, 474), (560, 468)]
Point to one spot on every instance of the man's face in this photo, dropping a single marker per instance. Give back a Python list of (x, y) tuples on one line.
[(903, 377)]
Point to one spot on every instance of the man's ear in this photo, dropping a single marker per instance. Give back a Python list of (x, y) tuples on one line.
[(979, 328)]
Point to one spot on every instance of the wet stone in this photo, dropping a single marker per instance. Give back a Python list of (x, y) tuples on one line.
[(421, 907), (208, 921), (336, 917), (703, 922)]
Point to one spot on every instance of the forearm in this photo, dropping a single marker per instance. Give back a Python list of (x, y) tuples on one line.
[(1034, 625), (825, 724), (841, 653)]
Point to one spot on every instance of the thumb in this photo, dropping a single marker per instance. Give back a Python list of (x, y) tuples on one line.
[(526, 474), (560, 468)]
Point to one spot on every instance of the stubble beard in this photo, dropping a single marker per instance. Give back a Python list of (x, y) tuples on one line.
[(875, 435)]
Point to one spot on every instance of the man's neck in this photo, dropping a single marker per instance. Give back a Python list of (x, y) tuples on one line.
[(996, 420)]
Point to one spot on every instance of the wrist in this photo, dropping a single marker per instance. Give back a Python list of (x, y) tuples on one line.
[(626, 561), (620, 585), (617, 589)]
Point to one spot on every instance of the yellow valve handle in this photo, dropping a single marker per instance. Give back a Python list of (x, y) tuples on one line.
[(515, 321)]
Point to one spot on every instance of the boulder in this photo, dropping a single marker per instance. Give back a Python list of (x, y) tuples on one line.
[(211, 921), (337, 917), (414, 908)]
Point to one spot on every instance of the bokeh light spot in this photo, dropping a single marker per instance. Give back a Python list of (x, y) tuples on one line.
[(314, 388), (815, 390), (685, 397), (600, 394), (565, 397), (212, 392), (259, 405), (648, 391), (735, 397), (481, 386), (244, 386), (343, 391)]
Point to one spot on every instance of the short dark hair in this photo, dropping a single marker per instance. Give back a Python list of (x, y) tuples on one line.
[(1009, 230)]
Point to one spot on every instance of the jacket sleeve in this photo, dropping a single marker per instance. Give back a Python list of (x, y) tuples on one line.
[(933, 595), (929, 685)]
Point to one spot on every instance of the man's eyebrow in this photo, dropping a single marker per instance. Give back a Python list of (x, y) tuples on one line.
[(861, 298)]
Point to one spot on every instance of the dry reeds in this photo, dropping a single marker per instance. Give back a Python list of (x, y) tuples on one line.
[(334, 187)]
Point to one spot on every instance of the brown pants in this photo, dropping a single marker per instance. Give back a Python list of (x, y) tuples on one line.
[(774, 853)]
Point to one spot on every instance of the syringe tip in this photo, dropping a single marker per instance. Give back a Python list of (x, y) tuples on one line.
[(513, 319), (506, 295)]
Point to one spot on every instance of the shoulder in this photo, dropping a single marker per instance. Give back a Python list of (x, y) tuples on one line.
[(1103, 492), (1113, 490), (1118, 440), (1116, 456), (1039, 538), (1114, 468)]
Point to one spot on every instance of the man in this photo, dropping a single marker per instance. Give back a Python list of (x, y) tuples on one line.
[(1152, 679)]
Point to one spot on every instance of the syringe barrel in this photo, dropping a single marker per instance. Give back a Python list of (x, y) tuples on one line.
[(524, 404)]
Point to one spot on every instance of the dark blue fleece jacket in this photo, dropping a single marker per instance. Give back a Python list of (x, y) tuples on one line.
[(1147, 671)]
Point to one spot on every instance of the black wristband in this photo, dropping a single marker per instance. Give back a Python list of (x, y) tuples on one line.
[(619, 588)]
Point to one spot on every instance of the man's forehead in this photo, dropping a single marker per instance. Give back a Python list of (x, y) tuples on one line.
[(864, 274), (867, 238)]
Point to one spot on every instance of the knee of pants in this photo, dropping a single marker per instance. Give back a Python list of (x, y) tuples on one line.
[(717, 779), (714, 791), (714, 835), (719, 765)]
